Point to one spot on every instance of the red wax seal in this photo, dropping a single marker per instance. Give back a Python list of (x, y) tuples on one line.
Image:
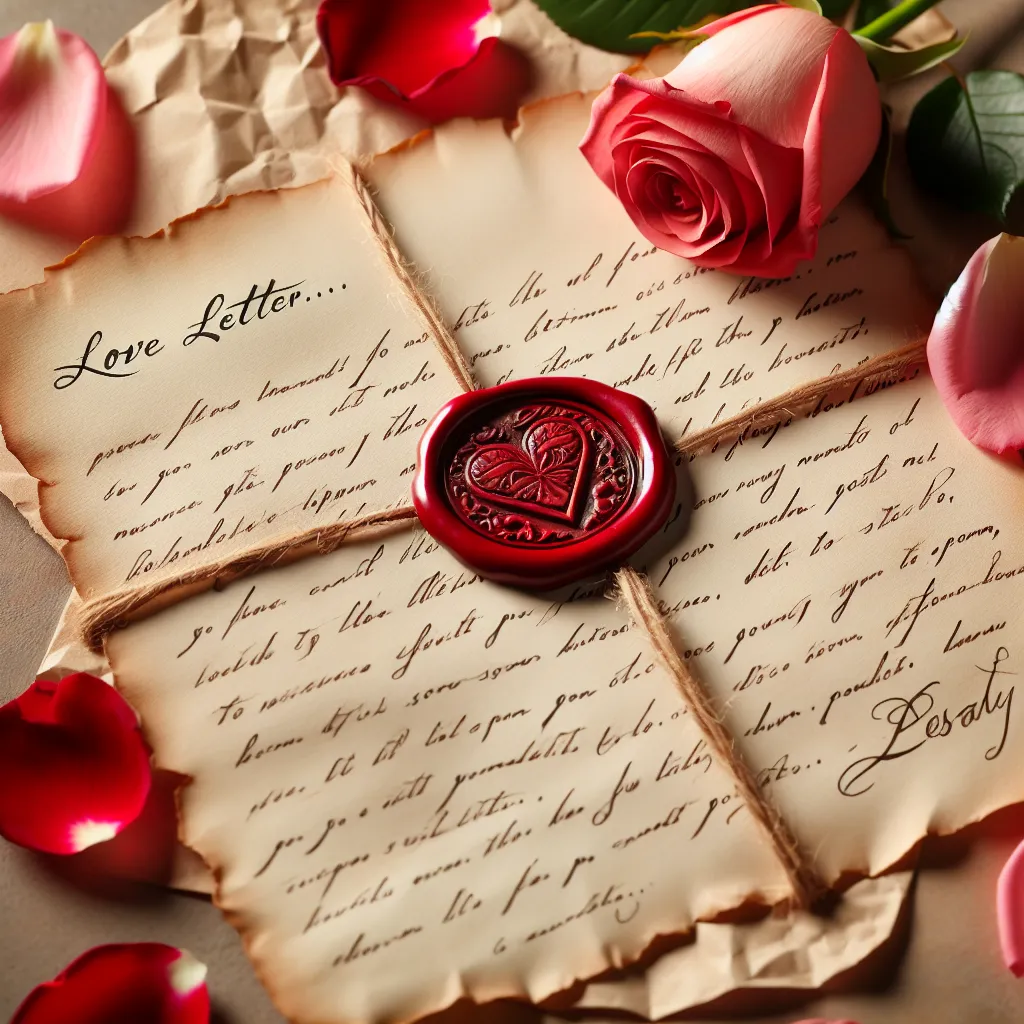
[(541, 482)]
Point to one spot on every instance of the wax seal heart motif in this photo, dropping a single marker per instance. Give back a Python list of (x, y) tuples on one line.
[(544, 481), (546, 475)]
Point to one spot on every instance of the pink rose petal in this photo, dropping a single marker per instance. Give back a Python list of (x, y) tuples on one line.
[(769, 67), (424, 56), (52, 93), (976, 347), (1010, 911), (125, 984), (67, 152), (74, 766)]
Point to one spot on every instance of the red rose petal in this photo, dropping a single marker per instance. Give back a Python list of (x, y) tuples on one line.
[(423, 56), (125, 984), (52, 93), (69, 157), (74, 765), (407, 42), (145, 852)]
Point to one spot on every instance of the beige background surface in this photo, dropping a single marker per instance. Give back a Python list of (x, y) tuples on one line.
[(945, 969)]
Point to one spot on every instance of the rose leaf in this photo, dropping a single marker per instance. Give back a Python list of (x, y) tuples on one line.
[(965, 144), (835, 9), (891, 63), (876, 178), (614, 25)]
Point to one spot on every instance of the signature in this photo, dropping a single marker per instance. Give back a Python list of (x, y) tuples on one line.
[(916, 720)]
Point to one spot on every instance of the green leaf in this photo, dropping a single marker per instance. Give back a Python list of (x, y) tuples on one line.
[(691, 35), (615, 24), (892, 63), (965, 143), (835, 9), (876, 178)]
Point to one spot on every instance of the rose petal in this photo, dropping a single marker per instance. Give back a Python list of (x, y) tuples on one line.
[(489, 85), (714, 27), (424, 56), (406, 42), (976, 347), (68, 150), (1010, 911), (146, 851), (768, 65), (123, 984), (74, 765), (608, 115), (843, 129), (52, 96)]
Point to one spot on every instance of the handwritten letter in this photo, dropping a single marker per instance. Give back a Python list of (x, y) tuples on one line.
[(435, 779), (181, 408)]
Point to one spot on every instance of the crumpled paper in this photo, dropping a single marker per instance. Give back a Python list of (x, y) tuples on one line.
[(796, 952), (228, 96)]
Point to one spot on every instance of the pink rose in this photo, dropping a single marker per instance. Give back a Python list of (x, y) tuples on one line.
[(975, 350), (735, 158), (427, 57)]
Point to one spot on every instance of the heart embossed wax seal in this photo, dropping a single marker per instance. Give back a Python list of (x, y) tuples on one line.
[(542, 482)]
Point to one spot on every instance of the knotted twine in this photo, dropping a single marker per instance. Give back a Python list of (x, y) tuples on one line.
[(103, 615)]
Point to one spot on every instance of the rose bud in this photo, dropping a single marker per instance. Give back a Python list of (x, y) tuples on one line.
[(976, 347), (431, 59), (736, 158), (75, 768), (123, 985), (67, 150)]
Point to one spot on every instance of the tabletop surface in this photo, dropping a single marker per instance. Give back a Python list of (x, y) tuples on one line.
[(944, 969)]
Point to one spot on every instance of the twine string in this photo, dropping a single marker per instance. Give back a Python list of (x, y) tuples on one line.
[(104, 615), (446, 344), (883, 369), (808, 887)]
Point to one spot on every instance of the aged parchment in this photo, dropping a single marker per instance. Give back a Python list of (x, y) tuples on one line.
[(859, 304), (269, 373)]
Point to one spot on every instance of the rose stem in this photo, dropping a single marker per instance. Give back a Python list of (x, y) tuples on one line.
[(885, 27)]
